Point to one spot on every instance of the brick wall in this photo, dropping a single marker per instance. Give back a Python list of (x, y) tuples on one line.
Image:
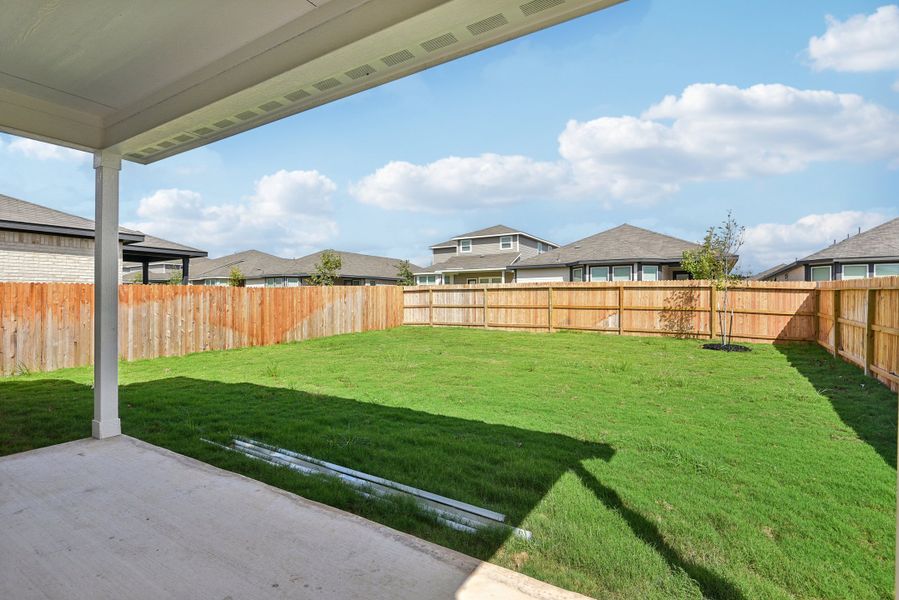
[(40, 257)]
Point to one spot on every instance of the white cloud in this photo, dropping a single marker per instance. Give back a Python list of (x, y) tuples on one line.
[(43, 151), (710, 132), (454, 183), (289, 214), (769, 244), (860, 43)]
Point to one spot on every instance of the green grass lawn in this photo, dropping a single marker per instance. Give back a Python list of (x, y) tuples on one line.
[(645, 467)]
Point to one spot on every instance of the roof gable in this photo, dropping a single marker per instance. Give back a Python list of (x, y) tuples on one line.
[(493, 230)]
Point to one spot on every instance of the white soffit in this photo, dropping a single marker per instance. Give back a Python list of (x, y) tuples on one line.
[(152, 79)]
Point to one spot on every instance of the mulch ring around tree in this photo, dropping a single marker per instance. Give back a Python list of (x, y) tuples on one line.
[(727, 347)]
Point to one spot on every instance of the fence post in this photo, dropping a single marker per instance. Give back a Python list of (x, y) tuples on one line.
[(869, 329), (713, 311), (485, 307), (836, 323), (549, 310), (620, 309), (431, 306), (816, 310)]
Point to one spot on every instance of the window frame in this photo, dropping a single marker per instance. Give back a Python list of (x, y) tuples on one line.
[(655, 272), (896, 265), (502, 239), (864, 266), (630, 272), (462, 244), (580, 272), (811, 272), (420, 277), (592, 278)]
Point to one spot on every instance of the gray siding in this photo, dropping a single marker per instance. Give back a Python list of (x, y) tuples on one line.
[(441, 254)]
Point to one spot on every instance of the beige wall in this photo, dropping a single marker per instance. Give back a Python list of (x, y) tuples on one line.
[(40, 257), (441, 254), (797, 273)]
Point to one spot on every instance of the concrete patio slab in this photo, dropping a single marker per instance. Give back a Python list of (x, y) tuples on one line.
[(120, 518)]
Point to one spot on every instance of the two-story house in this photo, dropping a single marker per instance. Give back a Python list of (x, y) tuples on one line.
[(482, 256)]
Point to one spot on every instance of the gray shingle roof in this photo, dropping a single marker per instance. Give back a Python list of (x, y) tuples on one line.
[(769, 272), (151, 241), (254, 264), (21, 214), (354, 264), (487, 231), (880, 241), (622, 243), (471, 262)]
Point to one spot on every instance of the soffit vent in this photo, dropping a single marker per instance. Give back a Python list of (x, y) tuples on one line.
[(447, 39), (135, 155), (487, 24), (149, 150), (531, 8), (183, 138), (246, 115), (297, 95), (396, 58), (166, 144), (326, 84), (224, 123), (270, 106), (359, 72), (203, 131)]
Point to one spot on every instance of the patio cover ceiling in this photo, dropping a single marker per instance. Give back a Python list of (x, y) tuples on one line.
[(148, 80)]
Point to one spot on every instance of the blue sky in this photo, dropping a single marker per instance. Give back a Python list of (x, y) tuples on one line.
[(662, 114)]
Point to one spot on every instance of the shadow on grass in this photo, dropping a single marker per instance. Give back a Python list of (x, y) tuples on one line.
[(863, 403), (499, 467)]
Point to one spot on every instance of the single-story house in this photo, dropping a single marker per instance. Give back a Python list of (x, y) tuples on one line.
[(623, 253), (872, 253), (260, 269), (41, 244), (481, 256)]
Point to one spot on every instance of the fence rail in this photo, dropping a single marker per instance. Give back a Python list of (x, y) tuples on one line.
[(46, 326)]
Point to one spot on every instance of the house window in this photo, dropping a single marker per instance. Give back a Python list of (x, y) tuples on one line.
[(855, 271), (541, 247), (471, 280), (821, 273), (599, 273), (650, 273), (427, 279), (490, 280), (577, 274), (621, 273), (464, 245), (886, 270), (505, 242), (447, 279), (274, 282)]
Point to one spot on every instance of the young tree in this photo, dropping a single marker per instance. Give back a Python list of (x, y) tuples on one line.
[(136, 277), (404, 272), (176, 277), (327, 269), (236, 278), (715, 261)]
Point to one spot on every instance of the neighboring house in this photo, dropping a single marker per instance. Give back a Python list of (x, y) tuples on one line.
[(260, 269), (482, 256), (873, 253), (40, 244), (623, 253)]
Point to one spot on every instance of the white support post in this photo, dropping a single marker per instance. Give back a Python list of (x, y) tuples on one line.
[(106, 296)]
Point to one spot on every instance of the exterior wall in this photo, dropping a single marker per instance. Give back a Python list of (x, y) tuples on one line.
[(527, 247), (462, 277), (442, 254), (549, 274), (797, 273), (40, 257)]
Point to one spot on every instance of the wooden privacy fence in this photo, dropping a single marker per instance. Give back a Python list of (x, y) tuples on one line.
[(859, 322), (763, 312), (50, 326)]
